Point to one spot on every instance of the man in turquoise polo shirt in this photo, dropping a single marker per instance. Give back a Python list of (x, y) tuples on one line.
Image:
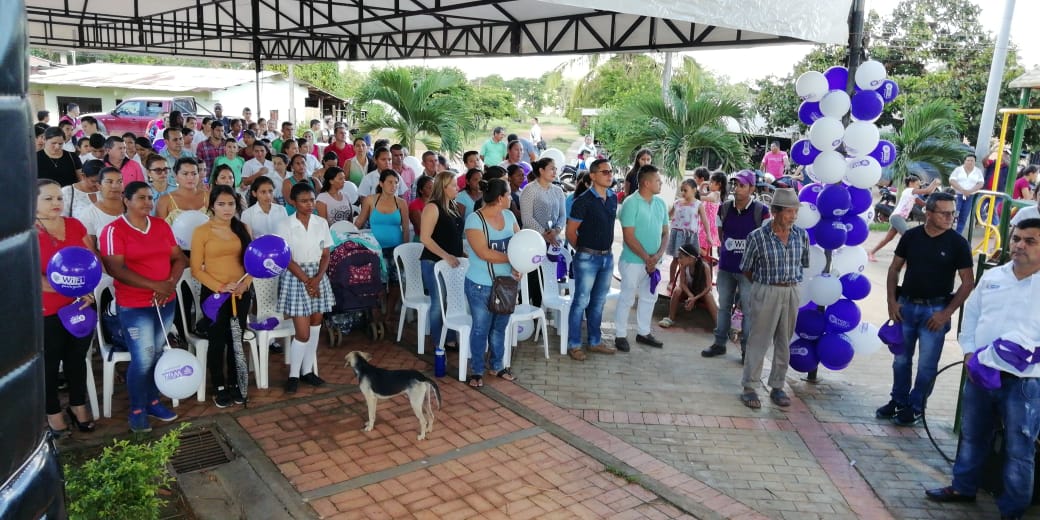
[(494, 149), (644, 226)]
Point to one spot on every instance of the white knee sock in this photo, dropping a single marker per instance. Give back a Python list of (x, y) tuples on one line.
[(297, 351), (311, 351)]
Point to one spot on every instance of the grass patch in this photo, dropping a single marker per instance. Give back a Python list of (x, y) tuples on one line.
[(880, 226), (622, 475)]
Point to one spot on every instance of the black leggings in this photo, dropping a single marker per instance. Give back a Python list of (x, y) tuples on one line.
[(220, 358), (61, 348)]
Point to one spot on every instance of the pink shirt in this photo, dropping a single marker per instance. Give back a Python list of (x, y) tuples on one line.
[(774, 163), (1020, 184)]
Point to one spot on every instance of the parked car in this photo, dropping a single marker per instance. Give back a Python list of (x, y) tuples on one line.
[(134, 114)]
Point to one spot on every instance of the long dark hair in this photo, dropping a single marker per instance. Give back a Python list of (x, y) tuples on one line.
[(257, 184), (383, 175), (720, 179), (698, 280), (493, 189), (330, 173), (640, 153), (536, 168), (237, 226)]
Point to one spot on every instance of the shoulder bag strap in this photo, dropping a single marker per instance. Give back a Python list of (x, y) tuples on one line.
[(487, 236)]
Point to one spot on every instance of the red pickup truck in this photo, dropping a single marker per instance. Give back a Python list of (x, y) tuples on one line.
[(134, 114)]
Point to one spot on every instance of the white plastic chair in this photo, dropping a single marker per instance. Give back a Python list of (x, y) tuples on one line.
[(455, 308), (525, 311), (554, 301), (343, 227), (198, 344), (406, 257), (266, 291)]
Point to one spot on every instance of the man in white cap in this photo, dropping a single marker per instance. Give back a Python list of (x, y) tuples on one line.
[(774, 258)]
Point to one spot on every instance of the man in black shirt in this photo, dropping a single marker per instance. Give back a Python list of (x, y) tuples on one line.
[(591, 229), (933, 254)]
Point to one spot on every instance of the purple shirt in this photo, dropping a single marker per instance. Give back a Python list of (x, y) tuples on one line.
[(733, 234)]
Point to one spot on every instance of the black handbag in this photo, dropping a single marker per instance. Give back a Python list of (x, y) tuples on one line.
[(504, 289)]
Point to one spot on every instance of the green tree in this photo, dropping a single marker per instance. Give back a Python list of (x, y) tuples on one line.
[(324, 75), (928, 142), (695, 122), (486, 102), (418, 107)]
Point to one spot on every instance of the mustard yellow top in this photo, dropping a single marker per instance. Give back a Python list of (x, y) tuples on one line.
[(216, 256)]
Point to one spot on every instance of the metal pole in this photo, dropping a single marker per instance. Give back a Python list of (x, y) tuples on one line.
[(292, 94), (996, 74), (257, 66), (856, 49)]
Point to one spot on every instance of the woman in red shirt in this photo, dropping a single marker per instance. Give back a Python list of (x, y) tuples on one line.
[(56, 232)]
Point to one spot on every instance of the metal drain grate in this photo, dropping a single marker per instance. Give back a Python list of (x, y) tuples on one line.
[(200, 449)]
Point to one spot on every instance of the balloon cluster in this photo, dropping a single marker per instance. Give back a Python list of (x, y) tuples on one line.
[(843, 162)]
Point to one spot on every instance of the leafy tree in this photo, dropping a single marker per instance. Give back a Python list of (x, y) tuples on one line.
[(485, 102), (928, 142), (419, 106), (324, 75), (695, 121)]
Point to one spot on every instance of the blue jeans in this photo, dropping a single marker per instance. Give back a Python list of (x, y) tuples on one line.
[(592, 275), (433, 288), (488, 329), (145, 341), (929, 343), (963, 207), (727, 284), (1017, 403)]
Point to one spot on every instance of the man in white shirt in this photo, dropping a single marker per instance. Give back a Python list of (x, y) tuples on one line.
[(999, 335), (257, 166), (965, 179), (536, 131)]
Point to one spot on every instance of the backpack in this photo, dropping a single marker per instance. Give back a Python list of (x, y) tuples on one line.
[(756, 206), (356, 275)]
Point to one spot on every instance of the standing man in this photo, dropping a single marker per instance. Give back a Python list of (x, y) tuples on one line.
[(408, 175), (115, 156), (966, 180), (174, 150), (257, 166), (773, 261), (343, 150), (208, 150), (738, 218), (218, 114), (591, 229), (72, 116), (536, 134), (247, 117), (287, 135), (494, 149), (644, 227), (775, 161), (933, 254), (1002, 387)]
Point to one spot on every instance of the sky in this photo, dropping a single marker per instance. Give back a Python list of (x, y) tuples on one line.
[(777, 60)]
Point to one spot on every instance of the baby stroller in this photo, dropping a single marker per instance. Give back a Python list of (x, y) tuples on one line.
[(356, 273)]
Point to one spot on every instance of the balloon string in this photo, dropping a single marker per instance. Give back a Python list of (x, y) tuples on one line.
[(162, 325)]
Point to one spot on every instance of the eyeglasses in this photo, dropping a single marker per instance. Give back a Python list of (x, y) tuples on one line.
[(159, 170)]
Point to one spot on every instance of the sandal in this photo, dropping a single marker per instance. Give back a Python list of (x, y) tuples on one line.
[(750, 400), (779, 398), (667, 322), (451, 346), (475, 381), (506, 374)]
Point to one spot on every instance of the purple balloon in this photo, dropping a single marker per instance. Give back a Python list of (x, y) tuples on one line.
[(837, 77), (79, 322), (810, 323), (809, 112), (812, 235), (888, 90), (803, 152), (211, 305), (810, 193), (856, 229), (830, 234), (834, 350), (885, 153), (834, 201), (842, 316), (855, 286), (867, 105), (803, 356), (268, 256), (862, 200), (891, 334), (74, 271), (159, 145)]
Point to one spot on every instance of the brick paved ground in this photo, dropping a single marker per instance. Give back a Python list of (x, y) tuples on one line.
[(649, 434)]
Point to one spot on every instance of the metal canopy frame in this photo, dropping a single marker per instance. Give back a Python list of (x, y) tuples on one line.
[(317, 30)]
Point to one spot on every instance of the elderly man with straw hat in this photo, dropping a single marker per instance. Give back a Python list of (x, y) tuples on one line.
[(775, 256)]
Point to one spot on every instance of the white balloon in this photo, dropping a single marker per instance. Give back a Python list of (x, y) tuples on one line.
[(864, 172), (184, 226), (861, 138), (555, 154), (817, 261), (829, 167), (864, 338), (835, 104), (524, 330), (825, 289), (826, 133), (178, 374), (811, 86), (849, 259), (870, 75), (808, 216), (803, 294), (414, 163), (526, 250)]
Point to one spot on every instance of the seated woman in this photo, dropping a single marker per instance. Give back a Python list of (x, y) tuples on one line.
[(387, 216), (694, 285)]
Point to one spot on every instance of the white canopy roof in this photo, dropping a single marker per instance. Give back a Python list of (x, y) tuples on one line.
[(307, 30)]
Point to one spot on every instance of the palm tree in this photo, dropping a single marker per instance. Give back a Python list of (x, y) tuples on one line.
[(695, 120), (417, 108), (929, 142)]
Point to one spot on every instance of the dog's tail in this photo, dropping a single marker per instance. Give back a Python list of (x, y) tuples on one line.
[(436, 390)]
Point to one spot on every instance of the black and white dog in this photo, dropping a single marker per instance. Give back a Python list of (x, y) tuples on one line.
[(378, 383)]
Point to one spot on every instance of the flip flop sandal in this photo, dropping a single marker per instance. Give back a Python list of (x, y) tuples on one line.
[(475, 381), (779, 398), (751, 400), (506, 374), (665, 323)]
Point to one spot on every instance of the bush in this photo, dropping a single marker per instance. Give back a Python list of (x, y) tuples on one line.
[(123, 482)]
